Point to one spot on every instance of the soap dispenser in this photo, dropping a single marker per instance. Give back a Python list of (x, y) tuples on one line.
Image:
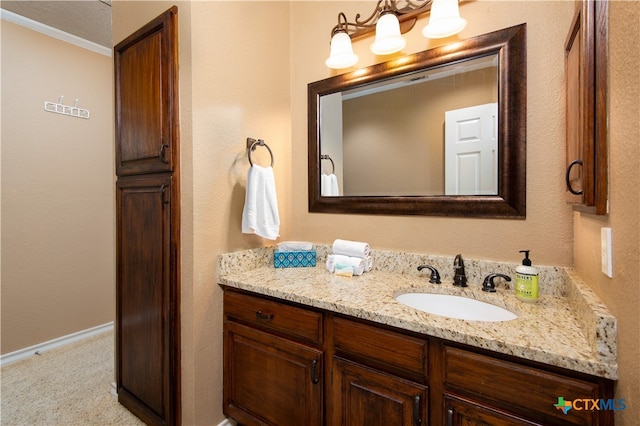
[(526, 280)]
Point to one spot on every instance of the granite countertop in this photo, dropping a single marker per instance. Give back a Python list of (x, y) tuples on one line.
[(568, 327)]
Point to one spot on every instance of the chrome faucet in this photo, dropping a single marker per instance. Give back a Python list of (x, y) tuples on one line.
[(459, 279)]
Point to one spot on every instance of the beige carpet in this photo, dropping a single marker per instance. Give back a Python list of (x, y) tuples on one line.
[(66, 386)]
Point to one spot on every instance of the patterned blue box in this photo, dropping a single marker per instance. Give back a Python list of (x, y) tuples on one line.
[(294, 259)]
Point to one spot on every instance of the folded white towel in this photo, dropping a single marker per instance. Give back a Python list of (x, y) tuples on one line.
[(295, 246), (329, 185), (357, 263), (368, 264), (260, 214), (351, 248)]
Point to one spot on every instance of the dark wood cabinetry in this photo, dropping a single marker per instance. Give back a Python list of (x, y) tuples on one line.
[(460, 411), (148, 222), (513, 391), (271, 380), (365, 396), (586, 52), (146, 98), (380, 375), (146, 300), (273, 362)]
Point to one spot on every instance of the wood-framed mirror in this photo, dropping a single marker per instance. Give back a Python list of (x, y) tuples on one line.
[(452, 184)]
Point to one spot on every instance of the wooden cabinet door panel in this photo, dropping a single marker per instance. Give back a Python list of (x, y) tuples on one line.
[(146, 67), (516, 387), (463, 412), (269, 380), (363, 396), (145, 302)]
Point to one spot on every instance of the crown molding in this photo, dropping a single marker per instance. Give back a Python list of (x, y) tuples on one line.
[(54, 32)]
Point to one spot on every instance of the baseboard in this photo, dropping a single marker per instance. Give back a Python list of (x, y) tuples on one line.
[(227, 422), (51, 344)]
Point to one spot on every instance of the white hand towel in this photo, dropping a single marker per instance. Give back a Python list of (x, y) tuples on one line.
[(357, 263), (334, 184), (260, 214), (351, 248), (329, 185)]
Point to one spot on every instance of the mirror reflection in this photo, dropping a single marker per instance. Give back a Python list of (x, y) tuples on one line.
[(432, 132)]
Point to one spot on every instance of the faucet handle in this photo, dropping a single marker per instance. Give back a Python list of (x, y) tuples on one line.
[(435, 275), (488, 284)]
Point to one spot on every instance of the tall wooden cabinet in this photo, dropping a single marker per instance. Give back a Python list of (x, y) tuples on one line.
[(586, 58), (148, 222)]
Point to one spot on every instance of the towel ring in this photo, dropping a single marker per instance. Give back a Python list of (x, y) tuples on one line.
[(252, 144), (333, 166)]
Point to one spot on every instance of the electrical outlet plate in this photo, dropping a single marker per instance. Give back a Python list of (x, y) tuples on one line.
[(605, 251)]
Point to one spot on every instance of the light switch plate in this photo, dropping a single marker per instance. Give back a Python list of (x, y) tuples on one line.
[(605, 251)]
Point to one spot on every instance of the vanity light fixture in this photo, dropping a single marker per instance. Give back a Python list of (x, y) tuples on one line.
[(390, 19), (445, 20), (388, 37)]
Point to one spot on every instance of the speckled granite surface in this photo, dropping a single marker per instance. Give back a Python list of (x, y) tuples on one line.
[(568, 327)]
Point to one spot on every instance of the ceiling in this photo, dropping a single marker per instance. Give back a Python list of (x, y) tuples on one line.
[(87, 19)]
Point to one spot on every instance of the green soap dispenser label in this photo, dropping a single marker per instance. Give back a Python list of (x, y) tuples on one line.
[(526, 287)]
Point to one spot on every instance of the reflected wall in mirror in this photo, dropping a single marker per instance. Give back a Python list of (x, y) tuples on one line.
[(440, 132), (433, 132)]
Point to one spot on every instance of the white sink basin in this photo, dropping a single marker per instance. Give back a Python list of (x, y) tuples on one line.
[(455, 307)]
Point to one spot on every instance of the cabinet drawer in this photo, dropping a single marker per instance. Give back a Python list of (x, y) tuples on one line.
[(518, 388), (397, 353), (297, 323)]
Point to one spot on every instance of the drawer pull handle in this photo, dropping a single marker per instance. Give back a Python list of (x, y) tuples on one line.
[(571, 190), (162, 153), (416, 411), (260, 316), (314, 371)]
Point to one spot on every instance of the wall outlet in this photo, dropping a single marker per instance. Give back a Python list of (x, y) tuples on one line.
[(605, 251)]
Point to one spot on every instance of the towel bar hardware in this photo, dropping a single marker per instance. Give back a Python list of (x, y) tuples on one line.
[(252, 144), (333, 166)]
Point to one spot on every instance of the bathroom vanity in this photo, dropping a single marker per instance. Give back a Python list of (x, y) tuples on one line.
[(302, 346)]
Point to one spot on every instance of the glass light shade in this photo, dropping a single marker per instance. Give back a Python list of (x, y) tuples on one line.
[(388, 39), (445, 19), (341, 55)]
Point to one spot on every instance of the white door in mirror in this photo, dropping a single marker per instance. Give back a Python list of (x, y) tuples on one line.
[(471, 150)]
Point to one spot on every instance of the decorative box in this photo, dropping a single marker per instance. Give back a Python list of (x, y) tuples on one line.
[(294, 259)]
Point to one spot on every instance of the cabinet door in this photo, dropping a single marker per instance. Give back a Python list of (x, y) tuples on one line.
[(586, 106), (363, 396), (269, 380), (147, 299), (463, 412), (528, 391), (146, 76)]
